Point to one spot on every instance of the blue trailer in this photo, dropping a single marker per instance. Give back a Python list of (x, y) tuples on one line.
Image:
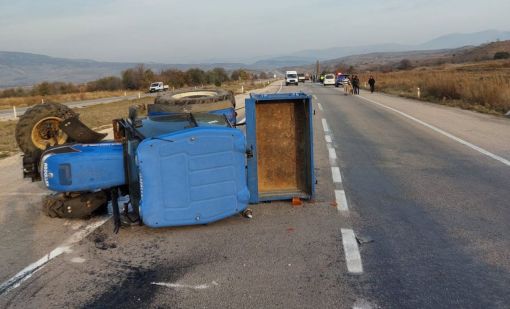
[(279, 129)]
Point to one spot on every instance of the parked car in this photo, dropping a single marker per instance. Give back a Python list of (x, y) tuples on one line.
[(301, 77), (341, 79), (329, 79)]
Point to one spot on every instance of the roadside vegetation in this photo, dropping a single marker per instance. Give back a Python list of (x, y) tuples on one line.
[(130, 81), (481, 86)]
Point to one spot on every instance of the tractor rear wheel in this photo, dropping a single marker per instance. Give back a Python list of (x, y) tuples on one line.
[(38, 128), (199, 100)]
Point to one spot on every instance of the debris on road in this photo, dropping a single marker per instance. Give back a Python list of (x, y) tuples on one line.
[(364, 239)]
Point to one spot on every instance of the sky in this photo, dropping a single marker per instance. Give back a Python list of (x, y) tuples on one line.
[(175, 31)]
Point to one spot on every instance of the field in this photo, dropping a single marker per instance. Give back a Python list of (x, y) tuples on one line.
[(7, 103), (94, 116), (481, 86), (60, 98)]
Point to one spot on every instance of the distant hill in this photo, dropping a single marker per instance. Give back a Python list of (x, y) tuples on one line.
[(377, 61), (463, 39), (25, 69), (482, 52), (449, 41)]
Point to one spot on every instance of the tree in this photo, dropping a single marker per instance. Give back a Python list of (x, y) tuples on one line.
[(174, 78), (196, 77), (263, 75), (240, 75), (405, 64), (109, 83), (216, 76), (43, 88), (501, 55), (137, 78)]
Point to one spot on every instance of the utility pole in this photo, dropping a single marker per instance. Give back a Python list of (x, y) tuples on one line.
[(317, 71)]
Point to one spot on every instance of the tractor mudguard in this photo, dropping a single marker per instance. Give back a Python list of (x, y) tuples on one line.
[(79, 132)]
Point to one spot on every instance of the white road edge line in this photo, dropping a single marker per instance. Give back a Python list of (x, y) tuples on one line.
[(351, 250), (328, 139), (320, 106), (28, 271), (186, 286), (281, 86), (315, 97), (341, 201), (325, 125), (22, 194), (337, 177), (453, 137)]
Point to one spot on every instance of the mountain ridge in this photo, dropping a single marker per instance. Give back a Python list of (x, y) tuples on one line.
[(25, 69)]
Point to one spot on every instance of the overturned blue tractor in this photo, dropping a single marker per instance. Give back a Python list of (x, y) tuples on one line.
[(184, 163)]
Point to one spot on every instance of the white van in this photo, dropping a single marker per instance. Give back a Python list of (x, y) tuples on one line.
[(329, 79), (291, 77)]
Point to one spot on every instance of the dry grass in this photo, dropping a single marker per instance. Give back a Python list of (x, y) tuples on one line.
[(6, 103), (7, 142), (484, 87), (60, 98), (245, 85)]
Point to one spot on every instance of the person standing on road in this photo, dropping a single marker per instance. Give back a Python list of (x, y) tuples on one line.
[(347, 83), (371, 82), (355, 84)]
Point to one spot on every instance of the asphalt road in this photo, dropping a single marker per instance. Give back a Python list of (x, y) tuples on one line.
[(436, 210), (423, 187)]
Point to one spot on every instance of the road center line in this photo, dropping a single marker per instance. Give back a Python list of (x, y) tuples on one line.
[(332, 153), (320, 106), (351, 250), (328, 139), (451, 136), (325, 125), (28, 271), (341, 200), (337, 177)]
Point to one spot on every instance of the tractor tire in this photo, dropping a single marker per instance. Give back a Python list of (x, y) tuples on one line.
[(38, 128), (52, 207), (73, 205), (199, 100)]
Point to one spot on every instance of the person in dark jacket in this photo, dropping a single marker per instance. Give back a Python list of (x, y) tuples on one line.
[(371, 82), (355, 84)]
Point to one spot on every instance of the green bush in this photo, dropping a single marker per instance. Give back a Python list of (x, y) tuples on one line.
[(501, 55)]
